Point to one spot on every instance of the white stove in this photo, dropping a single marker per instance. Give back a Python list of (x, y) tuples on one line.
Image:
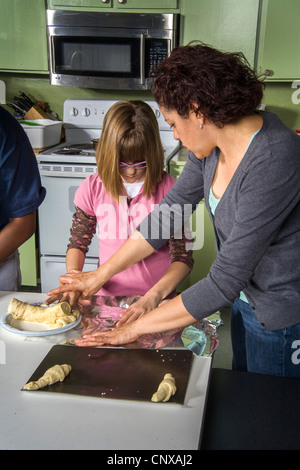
[(83, 121), (62, 170)]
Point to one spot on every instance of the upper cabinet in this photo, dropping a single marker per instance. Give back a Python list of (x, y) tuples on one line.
[(229, 25), (147, 4), (23, 40), (52, 4), (115, 5), (267, 32), (279, 40)]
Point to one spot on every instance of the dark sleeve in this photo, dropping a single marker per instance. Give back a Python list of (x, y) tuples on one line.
[(21, 190), (82, 230)]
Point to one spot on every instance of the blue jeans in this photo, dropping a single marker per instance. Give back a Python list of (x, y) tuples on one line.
[(263, 351)]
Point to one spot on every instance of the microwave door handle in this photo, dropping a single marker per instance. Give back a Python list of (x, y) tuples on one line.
[(52, 55), (142, 59)]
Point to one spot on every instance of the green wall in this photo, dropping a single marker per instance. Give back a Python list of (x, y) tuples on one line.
[(277, 97), (39, 88), (227, 24)]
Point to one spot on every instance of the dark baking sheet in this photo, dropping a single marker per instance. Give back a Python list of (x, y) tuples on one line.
[(127, 374)]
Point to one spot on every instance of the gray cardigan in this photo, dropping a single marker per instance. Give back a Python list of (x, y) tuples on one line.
[(257, 222)]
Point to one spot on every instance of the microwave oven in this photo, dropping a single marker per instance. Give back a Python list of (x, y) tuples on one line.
[(108, 50)]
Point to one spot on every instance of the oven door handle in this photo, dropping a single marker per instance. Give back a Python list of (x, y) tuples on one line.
[(65, 174), (142, 59)]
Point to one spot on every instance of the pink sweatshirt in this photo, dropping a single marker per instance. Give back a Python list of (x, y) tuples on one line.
[(115, 223)]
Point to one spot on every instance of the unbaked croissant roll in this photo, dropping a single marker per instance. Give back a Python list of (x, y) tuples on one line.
[(54, 374), (56, 315), (165, 390)]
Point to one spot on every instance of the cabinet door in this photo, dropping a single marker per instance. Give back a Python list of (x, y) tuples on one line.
[(146, 4), (80, 3), (116, 4), (28, 264), (279, 40), (204, 253), (23, 40), (229, 25)]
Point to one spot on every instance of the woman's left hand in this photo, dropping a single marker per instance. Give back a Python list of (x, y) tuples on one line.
[(117, 336)]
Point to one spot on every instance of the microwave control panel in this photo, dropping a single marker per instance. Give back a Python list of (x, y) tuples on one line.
[(156, 50)]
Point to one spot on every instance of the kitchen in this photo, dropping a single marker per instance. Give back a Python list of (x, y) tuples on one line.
[(242, 19)]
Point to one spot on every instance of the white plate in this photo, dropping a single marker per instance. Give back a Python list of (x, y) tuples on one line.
[(26, 328)]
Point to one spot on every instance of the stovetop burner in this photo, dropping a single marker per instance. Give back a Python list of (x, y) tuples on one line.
[(85, 146), (76, 149)]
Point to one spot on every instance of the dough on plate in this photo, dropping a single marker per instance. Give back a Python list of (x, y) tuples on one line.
[(57, 315), (165, 390), (54, 374)]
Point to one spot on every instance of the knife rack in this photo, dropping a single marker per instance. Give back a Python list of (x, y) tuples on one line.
[(37, 113)]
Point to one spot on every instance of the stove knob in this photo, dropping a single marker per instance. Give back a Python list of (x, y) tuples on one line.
[(86, 112), (73, 111)]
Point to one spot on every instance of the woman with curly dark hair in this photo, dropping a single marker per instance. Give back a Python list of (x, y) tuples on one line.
[(246, 165), (221, 86)]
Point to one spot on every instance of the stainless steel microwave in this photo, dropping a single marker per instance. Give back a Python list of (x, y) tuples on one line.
[(108, 50)]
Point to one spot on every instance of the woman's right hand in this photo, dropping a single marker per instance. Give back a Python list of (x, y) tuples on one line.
[(145, 304)]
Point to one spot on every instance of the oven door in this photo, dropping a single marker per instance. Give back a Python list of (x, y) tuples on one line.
[(52, 267), (55, 220), (55, 214)]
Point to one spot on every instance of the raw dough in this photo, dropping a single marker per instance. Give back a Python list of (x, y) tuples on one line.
[(56, 315), (165, 390), (54, 374)]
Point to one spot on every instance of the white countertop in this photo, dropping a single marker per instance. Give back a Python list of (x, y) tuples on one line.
[(60, 421)]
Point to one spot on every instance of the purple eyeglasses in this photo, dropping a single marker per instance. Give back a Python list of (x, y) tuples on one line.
[(135, 165)]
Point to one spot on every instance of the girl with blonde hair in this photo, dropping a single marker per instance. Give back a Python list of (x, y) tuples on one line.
[(130, 181)]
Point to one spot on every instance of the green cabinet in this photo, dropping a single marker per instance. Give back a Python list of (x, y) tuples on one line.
[(229, 25), (23, 40), (28, 262), (279, 40), (52, 4), (267, 32), (115, 5), (202, 228), (146, 4)]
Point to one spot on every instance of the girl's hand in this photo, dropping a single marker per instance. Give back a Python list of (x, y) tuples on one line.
[(73, 297), (85, 283)]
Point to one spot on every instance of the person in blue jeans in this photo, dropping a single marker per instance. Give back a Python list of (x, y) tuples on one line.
[(245, 163), (21, 194)]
